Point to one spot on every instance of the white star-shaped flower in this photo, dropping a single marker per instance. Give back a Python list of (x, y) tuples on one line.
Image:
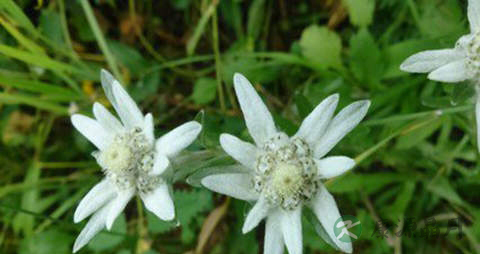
[(132, 160), (285, 173), (455, 64)]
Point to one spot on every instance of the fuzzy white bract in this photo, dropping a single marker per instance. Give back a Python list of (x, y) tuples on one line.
[(285, 173), (455, 64), (132, 160)]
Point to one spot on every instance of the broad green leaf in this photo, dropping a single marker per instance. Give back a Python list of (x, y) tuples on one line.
[(47, 242), (51, 26), (145, 87), (128, 56), (204, 90), (189, 204), (365, 58), (321, 46), (396, 53), (255, 70), (360, 11), (442, 18)]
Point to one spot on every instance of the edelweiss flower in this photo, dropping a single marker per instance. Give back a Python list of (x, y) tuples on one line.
[(456, 64), (286, 173), (133, 162)]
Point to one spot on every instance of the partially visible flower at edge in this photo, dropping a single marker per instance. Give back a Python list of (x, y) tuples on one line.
[(455, 64), (285, 173), (132, 160)]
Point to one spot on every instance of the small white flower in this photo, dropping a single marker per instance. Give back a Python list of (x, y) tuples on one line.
[(456, 64), (132, 160), (285, 173)]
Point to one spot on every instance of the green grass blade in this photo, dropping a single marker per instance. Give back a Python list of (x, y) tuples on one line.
[(35, 59), (33, 101), (87, 8)]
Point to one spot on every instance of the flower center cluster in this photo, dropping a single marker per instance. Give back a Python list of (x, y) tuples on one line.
[(128, 161), (472, 46), (285, 171)]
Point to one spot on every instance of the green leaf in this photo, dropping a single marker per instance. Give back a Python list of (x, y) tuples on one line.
[(38, 86), (146, 87), (368, 182), (106, 240), (462, 92), (321, 46), (365, 58), (191, 204), (128, 56), (47, 242), (304, 107), (360, 11), (441, 187), (36, 59), (397, 209), (256, 15), (51, 26), (418, 135), (33, 101), (256, 70), (395, 54), (204, 90)]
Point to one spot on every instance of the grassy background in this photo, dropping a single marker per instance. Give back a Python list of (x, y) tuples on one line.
[(416, 150)]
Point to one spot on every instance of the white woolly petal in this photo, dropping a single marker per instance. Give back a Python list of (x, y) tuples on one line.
[(107, 82), (95, 198), (178, 139), (473, 12), (340, 126), (148, 128), (109, 122), (236, 185), (126, 108), (326, 211), (94, 225), (160, 203), (92, 130), (334, 166), (477, 119), (160, 164), (118, 205), (453, 72), (427, 61), (292, 230), (316, 123), (273, 234), (241, 151), (256, 214), (258, 119)]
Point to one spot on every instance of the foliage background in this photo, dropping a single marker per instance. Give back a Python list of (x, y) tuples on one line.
[(416, 150)]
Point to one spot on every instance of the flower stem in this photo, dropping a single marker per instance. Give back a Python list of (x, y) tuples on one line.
[(218, 63)]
